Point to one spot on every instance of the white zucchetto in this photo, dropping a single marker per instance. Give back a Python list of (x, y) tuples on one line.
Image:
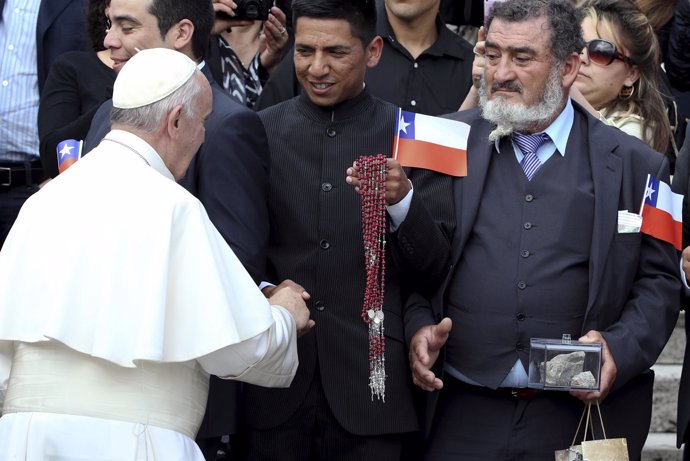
[(151, 75)]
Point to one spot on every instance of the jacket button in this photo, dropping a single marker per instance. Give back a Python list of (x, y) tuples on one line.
[(521, 316), (324, 244), (524, 253), (326, 187), (529, 198), (527, 225), (330, 132), (318, 305), (522, 285)]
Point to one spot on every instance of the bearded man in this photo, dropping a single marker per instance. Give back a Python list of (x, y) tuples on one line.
[(537, 254)]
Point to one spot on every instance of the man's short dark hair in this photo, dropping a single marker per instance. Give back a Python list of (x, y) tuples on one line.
[(199, 12), (564, 19), (361, 14)]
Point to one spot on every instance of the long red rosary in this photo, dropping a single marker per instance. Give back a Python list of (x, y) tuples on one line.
[(372, 177)]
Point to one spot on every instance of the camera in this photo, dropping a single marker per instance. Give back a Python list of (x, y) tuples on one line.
[(253, 9)]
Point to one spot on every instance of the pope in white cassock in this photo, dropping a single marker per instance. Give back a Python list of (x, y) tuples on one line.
[(118, 297)]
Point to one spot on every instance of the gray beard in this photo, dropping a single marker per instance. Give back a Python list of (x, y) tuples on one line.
[(510, 117)]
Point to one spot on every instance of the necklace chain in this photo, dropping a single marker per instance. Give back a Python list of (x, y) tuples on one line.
[(130, 148)]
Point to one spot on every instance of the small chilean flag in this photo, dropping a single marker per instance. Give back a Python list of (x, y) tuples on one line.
[(432, 143), (662, 212), (68, 152)]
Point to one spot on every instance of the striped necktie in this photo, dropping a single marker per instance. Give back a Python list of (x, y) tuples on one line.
[(529, 144)]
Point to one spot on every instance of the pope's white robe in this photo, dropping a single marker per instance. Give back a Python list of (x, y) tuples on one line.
[(116, 261)]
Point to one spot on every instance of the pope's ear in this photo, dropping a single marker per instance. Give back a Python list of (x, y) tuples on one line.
[(173, 121)]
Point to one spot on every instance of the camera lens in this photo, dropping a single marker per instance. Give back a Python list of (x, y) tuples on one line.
[(252, 11)]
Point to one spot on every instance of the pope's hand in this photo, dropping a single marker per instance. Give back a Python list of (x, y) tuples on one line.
[(424, 350), (292, 296)]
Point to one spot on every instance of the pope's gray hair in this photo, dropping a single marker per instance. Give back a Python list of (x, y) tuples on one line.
[(148, 118)]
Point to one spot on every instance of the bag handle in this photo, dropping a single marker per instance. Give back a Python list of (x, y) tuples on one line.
[(588, 411), (601, 420)]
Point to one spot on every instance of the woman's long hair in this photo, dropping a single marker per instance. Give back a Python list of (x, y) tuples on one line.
[(635, 37), (97, 23)]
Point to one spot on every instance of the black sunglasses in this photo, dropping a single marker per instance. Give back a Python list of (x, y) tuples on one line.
[(603, 52)]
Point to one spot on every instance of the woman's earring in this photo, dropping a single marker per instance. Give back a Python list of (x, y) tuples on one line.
[(626, 92)]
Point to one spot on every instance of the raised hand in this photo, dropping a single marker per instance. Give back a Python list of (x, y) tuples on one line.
[(424, 350), (397, 184)]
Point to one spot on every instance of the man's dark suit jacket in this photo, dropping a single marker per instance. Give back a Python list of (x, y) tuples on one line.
[(634, 286), (61, 27), (681, 185), (229, 175)]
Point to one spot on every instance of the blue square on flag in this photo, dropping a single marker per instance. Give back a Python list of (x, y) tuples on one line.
[(68, 152), (405, 125)]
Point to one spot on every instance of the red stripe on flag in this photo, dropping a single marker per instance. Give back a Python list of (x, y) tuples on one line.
[(660, 224), (66, 163), (421, 154)]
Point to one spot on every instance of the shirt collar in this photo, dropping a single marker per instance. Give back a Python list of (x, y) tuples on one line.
[(559, 130), (447, 43), (138, 146), (344, 110)]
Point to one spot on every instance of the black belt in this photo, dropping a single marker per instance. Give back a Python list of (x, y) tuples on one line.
[(15, 175), (523, 393)]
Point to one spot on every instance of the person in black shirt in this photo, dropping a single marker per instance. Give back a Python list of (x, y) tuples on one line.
[(424, 67)]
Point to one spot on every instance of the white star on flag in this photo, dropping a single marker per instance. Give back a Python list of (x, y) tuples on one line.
[(649, 192), (66, 150), (403, 125)]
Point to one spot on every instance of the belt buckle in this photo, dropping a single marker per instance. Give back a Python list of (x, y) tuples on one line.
[(9, 176), (524, 393)]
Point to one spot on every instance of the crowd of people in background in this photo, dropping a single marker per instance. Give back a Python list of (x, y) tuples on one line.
[(211, 233)]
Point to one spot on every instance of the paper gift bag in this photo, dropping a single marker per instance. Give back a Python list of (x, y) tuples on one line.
[(573, 453), (594, 450), (605, 450)]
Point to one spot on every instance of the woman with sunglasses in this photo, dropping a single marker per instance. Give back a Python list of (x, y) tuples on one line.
[(619, 71)]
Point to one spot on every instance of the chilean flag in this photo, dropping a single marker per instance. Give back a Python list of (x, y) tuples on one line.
[(662, 212), (432, 143), (68, 152)]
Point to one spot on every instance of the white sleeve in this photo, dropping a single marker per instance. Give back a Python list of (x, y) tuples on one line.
[(6, 354), (268, 359), (682, 275), (398, 211)]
